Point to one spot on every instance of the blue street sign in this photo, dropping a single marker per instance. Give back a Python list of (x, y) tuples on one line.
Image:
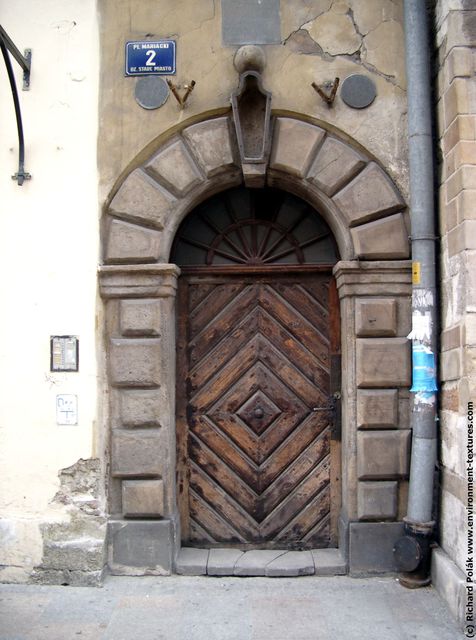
[(145, 58)]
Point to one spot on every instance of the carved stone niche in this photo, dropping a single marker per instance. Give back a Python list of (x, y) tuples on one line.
[(251, 105)]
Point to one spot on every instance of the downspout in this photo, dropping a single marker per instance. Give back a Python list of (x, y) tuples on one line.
[(412, 552)]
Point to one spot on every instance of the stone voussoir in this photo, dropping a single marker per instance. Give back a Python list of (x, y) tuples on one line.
[(175, 168), (335, 165), (131, 243), (370, 195), (294, 146), (211, 145), (383, 239), (142, 199)]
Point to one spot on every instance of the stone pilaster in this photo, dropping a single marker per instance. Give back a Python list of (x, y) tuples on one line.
[(141, 372), (375, 316)]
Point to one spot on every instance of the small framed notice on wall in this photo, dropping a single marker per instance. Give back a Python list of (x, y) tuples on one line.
[(64, 352)]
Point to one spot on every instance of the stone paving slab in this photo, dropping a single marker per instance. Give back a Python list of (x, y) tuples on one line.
[(269, 563), (226, 608), (192, 562), (221, 562), (329, 562), (291, 564), (254, 563)]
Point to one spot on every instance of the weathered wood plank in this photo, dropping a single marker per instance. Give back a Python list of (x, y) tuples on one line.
[(290, 449), (223, 504), (293, 350), (316, 312), (296, 501), (295, 323), (213, 466), (207, 518), (312, 523), (201, 343), (295, 472), (227, 451), (215, 360), (217, 386), (310, 393), (212, 305)]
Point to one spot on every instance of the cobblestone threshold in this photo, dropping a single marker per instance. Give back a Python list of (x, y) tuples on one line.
[(271, 564)]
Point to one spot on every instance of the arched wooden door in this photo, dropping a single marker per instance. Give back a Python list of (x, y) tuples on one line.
[(258, 371)]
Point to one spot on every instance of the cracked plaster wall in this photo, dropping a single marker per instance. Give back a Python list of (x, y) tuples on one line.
[(49, 252), (321, 39)]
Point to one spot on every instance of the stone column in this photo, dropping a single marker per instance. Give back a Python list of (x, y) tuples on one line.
[(140, 320), (376, 375)]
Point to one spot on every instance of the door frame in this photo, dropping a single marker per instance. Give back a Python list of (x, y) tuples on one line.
[(217, 274), (368, 217)]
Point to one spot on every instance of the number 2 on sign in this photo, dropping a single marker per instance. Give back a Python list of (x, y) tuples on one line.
[(150, 58)]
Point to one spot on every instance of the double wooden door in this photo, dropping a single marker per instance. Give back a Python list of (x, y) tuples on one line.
[(257, 435)]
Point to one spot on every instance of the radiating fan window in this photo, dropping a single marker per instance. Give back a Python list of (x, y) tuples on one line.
[(254, 227)]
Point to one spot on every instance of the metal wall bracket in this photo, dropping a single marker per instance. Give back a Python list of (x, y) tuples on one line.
[(23, 60), (7, 45), (188, 90), (328, 90)]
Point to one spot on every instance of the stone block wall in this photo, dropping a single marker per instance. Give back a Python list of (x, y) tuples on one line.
[(456, 130)]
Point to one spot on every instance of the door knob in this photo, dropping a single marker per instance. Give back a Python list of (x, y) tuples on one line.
[(258, 412)]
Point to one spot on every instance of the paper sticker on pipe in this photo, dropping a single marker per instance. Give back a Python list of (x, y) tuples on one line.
[(424, 369), (416, 272), (421, 327)]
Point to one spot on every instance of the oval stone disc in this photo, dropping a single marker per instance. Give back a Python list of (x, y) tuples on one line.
[(358, 91), (151, 92)]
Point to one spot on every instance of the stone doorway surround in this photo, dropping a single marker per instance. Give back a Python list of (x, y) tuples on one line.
[(368, 217)]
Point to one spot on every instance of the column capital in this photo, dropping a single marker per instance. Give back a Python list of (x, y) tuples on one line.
[(373, 278), (138, 280)]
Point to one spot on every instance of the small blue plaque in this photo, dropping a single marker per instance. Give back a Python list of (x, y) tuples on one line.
[(144, 58)]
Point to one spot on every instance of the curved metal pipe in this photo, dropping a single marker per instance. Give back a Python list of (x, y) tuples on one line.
[(21, 176)]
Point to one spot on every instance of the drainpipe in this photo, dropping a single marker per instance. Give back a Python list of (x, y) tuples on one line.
[(412, 552)]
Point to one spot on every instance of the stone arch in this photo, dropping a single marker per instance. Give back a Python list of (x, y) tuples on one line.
[(353, 193), (366, 213)]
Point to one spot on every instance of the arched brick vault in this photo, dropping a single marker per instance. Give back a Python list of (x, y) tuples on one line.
[(352, 192), (367, 215)]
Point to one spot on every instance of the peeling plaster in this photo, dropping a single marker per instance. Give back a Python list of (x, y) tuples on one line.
[(80, 486), (74, 550)]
